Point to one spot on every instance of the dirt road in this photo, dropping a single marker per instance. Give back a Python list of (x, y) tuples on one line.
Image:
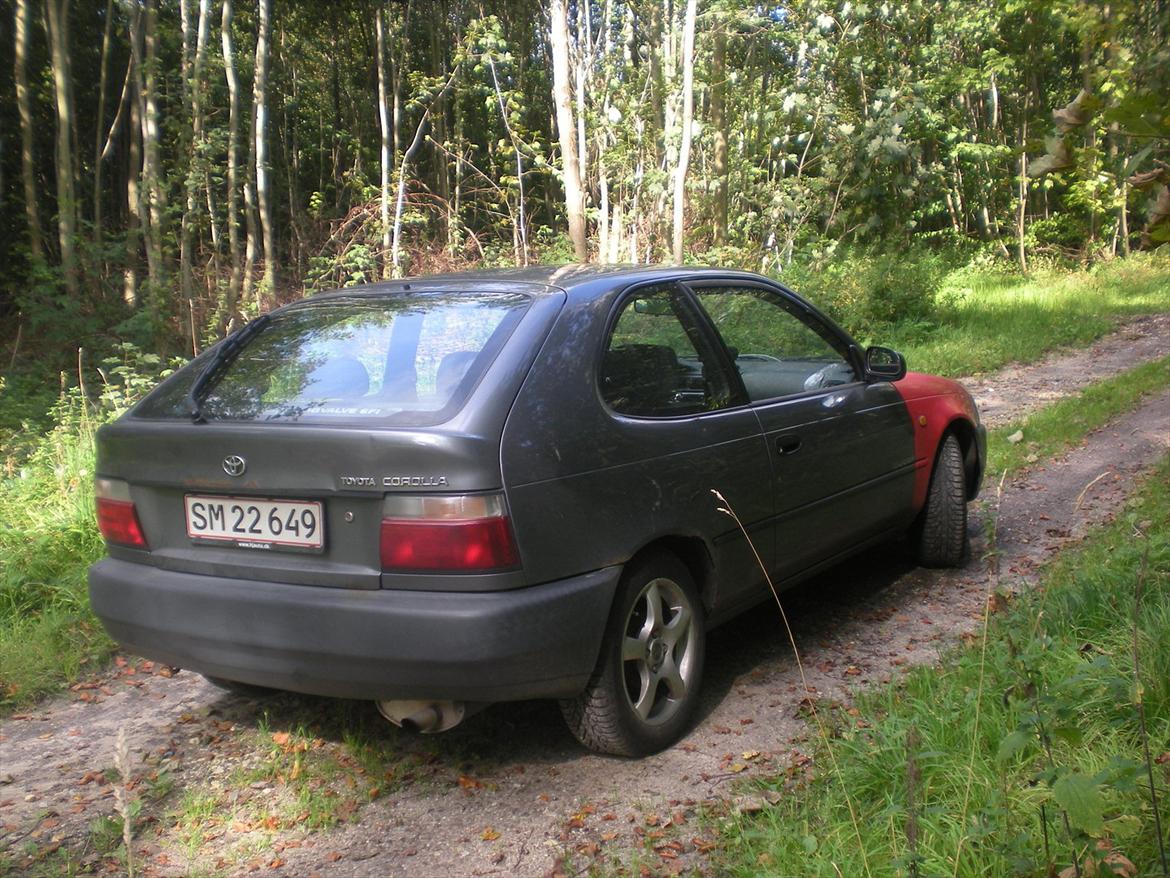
[(510, 792)]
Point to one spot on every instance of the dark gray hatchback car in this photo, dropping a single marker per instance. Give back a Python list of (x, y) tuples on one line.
[(444, 492)]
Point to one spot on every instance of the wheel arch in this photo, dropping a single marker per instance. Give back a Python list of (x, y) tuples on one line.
[(964, 431), (694, 554)]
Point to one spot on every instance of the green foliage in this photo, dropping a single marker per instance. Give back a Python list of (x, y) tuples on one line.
[(1037, 724), (48, 536), (870, 289)]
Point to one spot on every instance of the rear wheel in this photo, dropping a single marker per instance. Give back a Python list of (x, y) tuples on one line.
[(644, 691), (942, 530)]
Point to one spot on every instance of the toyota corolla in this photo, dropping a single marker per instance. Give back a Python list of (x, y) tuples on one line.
[(444, 492)]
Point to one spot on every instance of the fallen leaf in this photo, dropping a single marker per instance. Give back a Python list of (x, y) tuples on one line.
[(469, 783), (489, 834)]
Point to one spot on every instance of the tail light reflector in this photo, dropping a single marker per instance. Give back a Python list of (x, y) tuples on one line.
[(468, 533), (116, 516)]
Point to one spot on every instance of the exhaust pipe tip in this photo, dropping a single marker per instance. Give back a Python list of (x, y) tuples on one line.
[(426, 717)]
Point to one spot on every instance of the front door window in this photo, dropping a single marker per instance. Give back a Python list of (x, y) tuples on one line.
[(778, 349)]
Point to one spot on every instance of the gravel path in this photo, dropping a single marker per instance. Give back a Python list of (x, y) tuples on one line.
[(1005, 395), (509, 792)]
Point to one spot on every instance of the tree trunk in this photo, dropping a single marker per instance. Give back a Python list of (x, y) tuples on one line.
[(719, 134), (415, 143), (58, 20), (688, 112), (1022, 206), (387, 136), (519, 221), (99, 135), (260, 111), (133, 203), (152, 164), (566, 129), (233, 163), (27, 160), (195, 161)]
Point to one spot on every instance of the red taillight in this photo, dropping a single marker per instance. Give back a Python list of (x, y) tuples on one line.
[(118, 523), (461, 534), (456, 546), (116, 517)]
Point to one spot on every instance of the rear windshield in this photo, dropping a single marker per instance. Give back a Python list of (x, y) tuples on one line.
[(412, 359)]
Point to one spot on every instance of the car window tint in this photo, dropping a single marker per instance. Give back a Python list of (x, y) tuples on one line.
[(407, 358), (653, 366), (779, 349)]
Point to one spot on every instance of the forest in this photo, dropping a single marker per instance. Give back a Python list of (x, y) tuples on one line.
[(172, 167)]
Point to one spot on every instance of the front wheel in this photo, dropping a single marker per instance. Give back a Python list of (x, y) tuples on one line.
[(644, 691), (942, 530)]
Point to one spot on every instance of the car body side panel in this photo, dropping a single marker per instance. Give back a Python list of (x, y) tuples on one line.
[(565, 456), (934, 404), (850, 477)]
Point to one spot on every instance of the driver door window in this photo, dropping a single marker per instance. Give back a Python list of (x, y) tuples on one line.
[(778, 350)]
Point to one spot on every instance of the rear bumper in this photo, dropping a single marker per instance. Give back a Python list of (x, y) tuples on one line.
[(536, 642)]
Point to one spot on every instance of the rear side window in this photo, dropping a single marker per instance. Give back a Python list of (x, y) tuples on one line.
[(411, 359), (657, 363)]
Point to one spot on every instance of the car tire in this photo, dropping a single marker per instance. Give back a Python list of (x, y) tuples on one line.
[(645, 688), (246, 690), (942, 528)]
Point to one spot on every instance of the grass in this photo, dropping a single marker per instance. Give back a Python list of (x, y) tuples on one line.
[(969, 769), (48, 536), (985, 320)]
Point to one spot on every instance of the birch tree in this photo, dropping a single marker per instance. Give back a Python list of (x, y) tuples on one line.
[(688, 115), (566, 128), (260, 134), (233, 163), (385, 129)]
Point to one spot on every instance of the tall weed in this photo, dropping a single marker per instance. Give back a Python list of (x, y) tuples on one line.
[(48, 534)]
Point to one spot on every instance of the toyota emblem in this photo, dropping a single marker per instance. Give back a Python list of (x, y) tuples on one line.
[(234, 465)]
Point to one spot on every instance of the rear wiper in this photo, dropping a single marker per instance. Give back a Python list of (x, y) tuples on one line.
[(222, 359)]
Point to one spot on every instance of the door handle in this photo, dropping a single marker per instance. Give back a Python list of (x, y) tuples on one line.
[(789, 444)]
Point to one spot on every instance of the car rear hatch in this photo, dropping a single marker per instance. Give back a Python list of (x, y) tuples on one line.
[(334, 419)]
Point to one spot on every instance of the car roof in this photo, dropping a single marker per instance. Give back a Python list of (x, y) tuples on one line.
[(578, 280)]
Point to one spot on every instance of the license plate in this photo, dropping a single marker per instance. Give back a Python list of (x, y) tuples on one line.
[(251, 523)]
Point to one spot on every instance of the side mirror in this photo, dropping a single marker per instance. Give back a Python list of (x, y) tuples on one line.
[(884, 364)]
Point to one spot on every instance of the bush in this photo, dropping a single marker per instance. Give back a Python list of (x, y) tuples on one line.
[(866, 290)]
